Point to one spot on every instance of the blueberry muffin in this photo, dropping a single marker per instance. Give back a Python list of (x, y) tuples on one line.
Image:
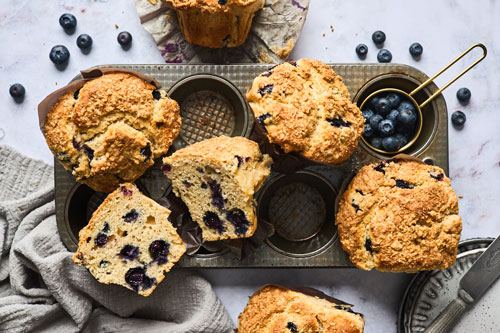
[(305, 107), (215, 23), (400, 216), (110, 130), (129, 241), (216, 179), (277, 309)]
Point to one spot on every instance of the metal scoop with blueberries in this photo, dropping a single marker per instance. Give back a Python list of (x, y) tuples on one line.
[(393, 118)]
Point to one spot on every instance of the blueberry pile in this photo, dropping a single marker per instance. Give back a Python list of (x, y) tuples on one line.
[(390, 121), (384, 55)]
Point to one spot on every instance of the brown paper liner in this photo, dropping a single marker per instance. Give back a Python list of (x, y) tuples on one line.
[(89, 74), (191, 233)]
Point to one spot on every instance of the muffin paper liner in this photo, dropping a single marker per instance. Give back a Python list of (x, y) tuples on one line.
[(273, 34), (88, 74), (191, 233)]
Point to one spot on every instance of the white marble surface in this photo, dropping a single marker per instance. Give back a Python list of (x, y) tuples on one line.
[(28, 29)]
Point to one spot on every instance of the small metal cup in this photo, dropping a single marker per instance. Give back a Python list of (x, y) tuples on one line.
[(418, 106)]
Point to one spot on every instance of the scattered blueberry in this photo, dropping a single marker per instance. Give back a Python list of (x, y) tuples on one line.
[(367, 114), (393, 115), (266, 89), (375, 120), (131, 216), (124, 38), (386, 128), (213, 221), (416, 49), (376, 143), (338, 122), (378, 37), (463, 95), (156, 94), (361, 50), (402, 184), (84, 41), (67, 21), (238, 219), (368, 131), (129, 252), (458, 119), (390, 144), (407, 117), (383, 106), (17, 91), (159, 250), (101, 239), (59, 55), (394, 99), (217, 199), (384, 55)]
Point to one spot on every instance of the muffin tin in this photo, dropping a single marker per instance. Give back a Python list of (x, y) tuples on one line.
[(219, 95)]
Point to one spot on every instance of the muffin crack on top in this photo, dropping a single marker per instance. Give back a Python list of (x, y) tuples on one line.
[(400, 215), (304, 107), (110, 130)]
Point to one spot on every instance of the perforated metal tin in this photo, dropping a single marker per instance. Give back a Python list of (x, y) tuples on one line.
[(71, 204), (430, 292)]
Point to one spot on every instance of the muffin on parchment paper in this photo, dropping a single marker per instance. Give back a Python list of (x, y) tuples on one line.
[(297, 310), (216, 179), (215, 23), (111, 129), (305, 107), (400, 215), (129, 241)]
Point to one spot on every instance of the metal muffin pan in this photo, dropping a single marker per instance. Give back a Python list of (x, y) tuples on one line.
[(286, 248)]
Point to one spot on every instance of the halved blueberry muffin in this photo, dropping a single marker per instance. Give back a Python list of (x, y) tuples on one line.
[(216, 179), (129, 241)]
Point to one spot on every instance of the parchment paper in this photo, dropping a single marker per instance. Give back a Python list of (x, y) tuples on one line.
[(273, 34)]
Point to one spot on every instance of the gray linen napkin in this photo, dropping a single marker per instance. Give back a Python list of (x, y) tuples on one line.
[(42, 290)]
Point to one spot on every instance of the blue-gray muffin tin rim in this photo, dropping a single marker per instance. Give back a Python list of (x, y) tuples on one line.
[(360, 79)]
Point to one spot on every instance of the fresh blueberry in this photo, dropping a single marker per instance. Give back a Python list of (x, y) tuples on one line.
[(393, 115), (368, 133), (59, 55), (383, 106), (374, 101), (84, 41), (124, 38), (361, 50), (458, 119), (386, 127), (405, 105), (131, 216), (375, 120), (376, 143), (129, 252), (416, 49), (402, 140), (67, 21), (367, 114), (384, 55), (407, 118), (394, 99), (378, 37), (17, 91), (159, 250), (239, 220), (390, 144), (463, 95), (213, 221)]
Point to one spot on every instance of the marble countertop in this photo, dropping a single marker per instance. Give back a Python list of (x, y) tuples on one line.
[(28, 30)]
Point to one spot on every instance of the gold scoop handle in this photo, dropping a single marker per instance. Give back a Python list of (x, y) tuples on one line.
[(422, 86)]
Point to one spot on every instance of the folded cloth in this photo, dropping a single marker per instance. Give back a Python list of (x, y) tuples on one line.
[(42, 290)]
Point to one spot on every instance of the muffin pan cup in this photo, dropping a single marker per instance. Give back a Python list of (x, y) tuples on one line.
[(360, 79)]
